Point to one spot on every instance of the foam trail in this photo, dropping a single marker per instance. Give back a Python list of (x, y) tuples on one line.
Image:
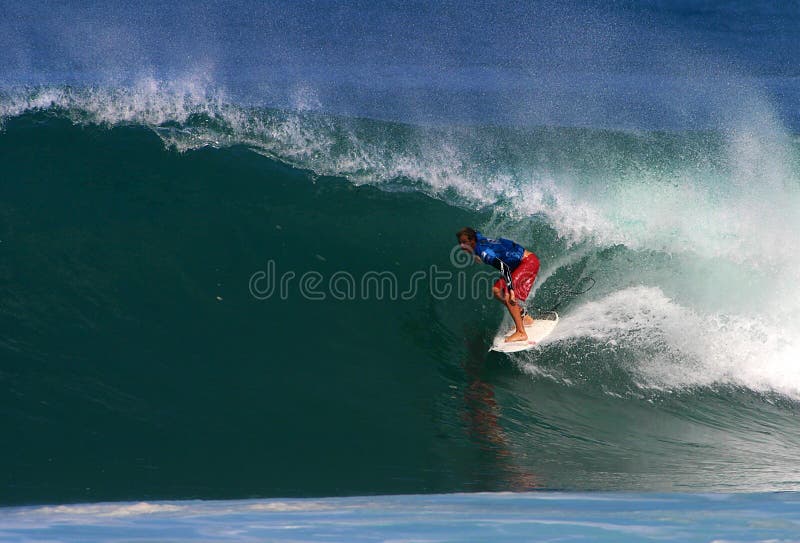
[(676, 347)]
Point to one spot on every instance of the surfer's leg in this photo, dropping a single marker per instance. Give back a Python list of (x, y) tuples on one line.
[(498, 292), (516, 314), (527, 320), (515, 310), (524, 276)]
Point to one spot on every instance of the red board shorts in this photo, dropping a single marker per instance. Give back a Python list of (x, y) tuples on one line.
[(522, 277)]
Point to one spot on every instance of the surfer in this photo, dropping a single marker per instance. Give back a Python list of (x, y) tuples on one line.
[(518, 266)]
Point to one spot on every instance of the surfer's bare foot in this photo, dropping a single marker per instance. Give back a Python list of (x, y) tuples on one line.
[(527, 320), (517, 336)]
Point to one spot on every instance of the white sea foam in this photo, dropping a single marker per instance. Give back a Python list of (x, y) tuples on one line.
[(148, 101), (108, 510), (674, 346)]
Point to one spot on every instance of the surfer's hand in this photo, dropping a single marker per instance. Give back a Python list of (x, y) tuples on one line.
[(509, 297)]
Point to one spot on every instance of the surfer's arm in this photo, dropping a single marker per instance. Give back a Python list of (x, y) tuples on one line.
[(491, 258), (506, 271)]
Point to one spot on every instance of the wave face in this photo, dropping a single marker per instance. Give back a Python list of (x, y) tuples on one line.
[(232, 276)]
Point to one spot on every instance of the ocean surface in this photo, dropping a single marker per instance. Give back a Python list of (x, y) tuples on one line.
[(227, 263), (502, 517)]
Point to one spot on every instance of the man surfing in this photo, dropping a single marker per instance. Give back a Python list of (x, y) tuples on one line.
[(518, 266)]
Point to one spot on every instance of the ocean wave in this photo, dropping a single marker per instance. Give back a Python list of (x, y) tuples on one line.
[(128, 304), (719, 205)]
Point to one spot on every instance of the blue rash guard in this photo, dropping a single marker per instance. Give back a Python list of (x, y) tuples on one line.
[(503, 254)]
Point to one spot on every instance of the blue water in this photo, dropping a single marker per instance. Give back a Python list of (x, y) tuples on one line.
[(545, 517)]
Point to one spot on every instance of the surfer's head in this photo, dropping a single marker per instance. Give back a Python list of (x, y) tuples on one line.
[(467, 239)]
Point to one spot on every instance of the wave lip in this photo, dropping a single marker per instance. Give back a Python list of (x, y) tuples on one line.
[(727, 194)]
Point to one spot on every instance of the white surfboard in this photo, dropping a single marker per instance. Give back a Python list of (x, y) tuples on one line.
[(542, 326)]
